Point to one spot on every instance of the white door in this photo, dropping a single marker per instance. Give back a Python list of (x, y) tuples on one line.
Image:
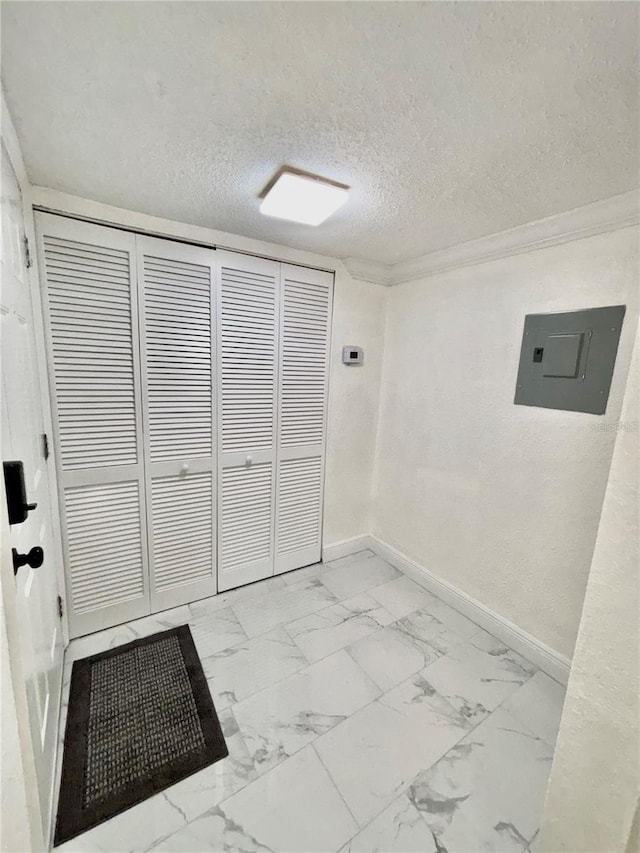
[(176, 288), (248, 335), (302, 415), (35, 589), (89, 274)]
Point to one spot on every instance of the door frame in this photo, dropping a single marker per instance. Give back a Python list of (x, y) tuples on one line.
[(7, 584)]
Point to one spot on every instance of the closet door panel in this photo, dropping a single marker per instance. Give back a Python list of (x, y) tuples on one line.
[(299, 512), (178, 313), (176, 322), (104, 535), (304, 364), (248, 318), (89, 292), (89, 278), (246, 522), (179, 504)]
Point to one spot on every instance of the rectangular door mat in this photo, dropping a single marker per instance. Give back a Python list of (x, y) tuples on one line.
[(140, 718)]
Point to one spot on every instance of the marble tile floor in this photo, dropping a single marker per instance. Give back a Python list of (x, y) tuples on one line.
[(361, 713)]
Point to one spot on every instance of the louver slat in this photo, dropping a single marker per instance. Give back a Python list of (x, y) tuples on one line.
[(182, 530), (299, 507), (176, 308), (304, 363), (177, 312), (92, 335), (247, 359), (304, 355), (246, 516), (105, 545), (89, 296), (248, 305)]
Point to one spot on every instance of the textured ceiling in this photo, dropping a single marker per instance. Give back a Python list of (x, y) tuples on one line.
[(449, 120)]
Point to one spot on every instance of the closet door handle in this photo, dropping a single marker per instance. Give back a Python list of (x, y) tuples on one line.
[(249, 460), (184, 470)]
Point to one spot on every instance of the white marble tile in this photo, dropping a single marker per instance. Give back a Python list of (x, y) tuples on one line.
[(477, 675), (135, 830), (235, 596), (402, 596), (320, 634), (280, 720), (307, 573), (258, 615), (294, 808), (374, 754), (203, 835), (394, 653), (357, 557), (160, 621), (201, 791), (538, 704), (92, 644), (450, 617), (213, 632), (386, 755), (110, 638), (487, 792), (398, 829), (350, 579), (241, 670)]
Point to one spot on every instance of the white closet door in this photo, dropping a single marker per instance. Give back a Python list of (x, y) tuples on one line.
[(176, 283), (304, 372), (248, 312), (90, 274)]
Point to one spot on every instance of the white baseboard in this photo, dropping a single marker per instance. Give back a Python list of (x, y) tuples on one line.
[(541, 655), (345, 547)]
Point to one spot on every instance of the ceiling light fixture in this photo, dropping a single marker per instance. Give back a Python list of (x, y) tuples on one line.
[(302, 197)]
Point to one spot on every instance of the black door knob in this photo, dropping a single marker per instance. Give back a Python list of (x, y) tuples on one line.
[(34, 558)]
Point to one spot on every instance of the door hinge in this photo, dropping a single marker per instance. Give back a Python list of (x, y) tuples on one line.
[(27, 252), (45, 445), (60, 607)]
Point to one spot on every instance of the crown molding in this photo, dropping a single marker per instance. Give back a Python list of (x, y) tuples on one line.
[(369, 271), (610, 214)]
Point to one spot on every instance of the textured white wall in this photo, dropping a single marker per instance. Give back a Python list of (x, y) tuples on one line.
[(501, 501), (354, 394), (595, 779)]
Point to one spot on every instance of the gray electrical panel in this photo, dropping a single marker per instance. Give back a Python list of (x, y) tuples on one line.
[(567, 359)]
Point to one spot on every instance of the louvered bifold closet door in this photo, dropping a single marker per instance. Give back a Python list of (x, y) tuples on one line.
[(89, 276), (304, 373), (176, 287), (248, 312)]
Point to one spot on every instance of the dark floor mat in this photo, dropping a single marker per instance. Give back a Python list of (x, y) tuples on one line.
[(140, 718)]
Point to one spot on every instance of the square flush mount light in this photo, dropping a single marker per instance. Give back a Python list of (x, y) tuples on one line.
[(302, 197)]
